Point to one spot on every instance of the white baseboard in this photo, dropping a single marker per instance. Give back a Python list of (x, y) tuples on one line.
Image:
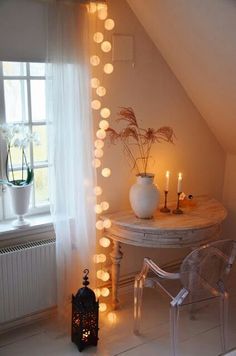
[(28, 319)]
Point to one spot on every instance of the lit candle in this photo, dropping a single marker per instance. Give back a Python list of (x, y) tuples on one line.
[(179, 187), (167, 181)]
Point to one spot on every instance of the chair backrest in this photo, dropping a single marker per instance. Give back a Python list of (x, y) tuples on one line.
[(205, 269)]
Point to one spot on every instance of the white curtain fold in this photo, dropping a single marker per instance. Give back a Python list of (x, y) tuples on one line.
[(70, 145)]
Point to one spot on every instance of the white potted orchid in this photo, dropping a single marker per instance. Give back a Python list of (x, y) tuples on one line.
[(17, 136)]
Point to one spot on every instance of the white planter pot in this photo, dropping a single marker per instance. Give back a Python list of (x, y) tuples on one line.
[(20, 199), (144, 196)]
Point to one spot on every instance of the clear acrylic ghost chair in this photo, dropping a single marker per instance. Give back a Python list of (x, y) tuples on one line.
[(202, 276)]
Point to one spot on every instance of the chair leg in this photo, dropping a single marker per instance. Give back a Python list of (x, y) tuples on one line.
[(138, 296), (224, 301), (174, 315)]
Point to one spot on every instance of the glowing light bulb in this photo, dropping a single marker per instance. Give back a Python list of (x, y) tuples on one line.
[(102, 12), (101, 91), (101, 6), (106, 46), (108, 68), (100, 273), (97, 190), (112, 317), (102, 258), (96, 163), (104, 124), (95, 82), (98, 37), (106, 172), (98, 209), (99, 225), (96, 104), (105, 277), (94, 60), (104, 292), (107, 223), (104, 205), (96, 259), (105, 113), (104, 242), (99, 144), (102, 307), (92, 8), (101, 134), (109, 24), (98, 153), (97, 292)]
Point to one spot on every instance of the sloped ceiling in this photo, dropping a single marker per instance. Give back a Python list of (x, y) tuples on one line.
[(197, 38)]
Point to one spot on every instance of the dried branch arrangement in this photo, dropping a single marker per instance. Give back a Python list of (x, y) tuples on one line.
[(137, 142)]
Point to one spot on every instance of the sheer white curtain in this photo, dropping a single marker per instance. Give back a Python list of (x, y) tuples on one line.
[(72, 177)]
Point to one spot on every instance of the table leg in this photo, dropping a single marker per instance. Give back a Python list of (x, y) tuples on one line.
[(116, 256)]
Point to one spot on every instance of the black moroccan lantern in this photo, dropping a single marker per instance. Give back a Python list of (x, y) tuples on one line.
[(84, 331)]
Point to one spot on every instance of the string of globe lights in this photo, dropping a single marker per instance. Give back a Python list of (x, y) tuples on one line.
[(100, 11)]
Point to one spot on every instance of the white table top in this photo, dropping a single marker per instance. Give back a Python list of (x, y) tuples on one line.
[(198, 223)]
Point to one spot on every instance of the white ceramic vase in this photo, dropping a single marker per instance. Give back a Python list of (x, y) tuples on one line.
[(144, 196), (20, 199)]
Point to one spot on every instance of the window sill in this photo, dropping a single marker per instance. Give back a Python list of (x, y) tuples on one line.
[(41, 227)]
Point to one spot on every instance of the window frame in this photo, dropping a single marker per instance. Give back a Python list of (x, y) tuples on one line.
[(5, 210)]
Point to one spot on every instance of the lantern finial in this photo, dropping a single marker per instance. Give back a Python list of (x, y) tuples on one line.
[(85, 278)]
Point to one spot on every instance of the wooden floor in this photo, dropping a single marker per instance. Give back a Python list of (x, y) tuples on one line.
[(197, 337)]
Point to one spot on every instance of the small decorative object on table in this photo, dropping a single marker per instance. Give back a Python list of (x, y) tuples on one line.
[(17, 136), (165, 209), (84, 329), (137, 143), (179, 192)]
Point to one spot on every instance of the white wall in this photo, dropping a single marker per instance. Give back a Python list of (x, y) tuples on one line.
[(197, 40), (23, 30), (157, 97)]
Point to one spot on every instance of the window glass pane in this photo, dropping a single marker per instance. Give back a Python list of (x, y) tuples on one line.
[(41, 186), (37, 69), (15, 92), (16, 157), (40, 151), (14, 68), (38, 100)]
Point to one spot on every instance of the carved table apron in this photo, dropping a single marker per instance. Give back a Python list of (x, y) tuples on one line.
[(199, 224)]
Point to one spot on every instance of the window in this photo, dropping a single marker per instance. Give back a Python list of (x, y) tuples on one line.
[(22, 100)]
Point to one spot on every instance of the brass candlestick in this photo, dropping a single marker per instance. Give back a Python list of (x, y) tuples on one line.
[(178, 210), (165, 209)]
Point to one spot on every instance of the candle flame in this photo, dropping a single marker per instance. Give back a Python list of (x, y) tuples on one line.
[(167, 174)]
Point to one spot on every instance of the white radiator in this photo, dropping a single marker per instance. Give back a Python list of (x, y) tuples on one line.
[(27, 279)]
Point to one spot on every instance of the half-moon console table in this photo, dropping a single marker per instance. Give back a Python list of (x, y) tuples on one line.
[(199, 224)]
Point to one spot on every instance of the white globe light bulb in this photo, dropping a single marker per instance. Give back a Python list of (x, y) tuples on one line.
[(109, 24), (97, 190), (106, 46), (108, 68), (105, 113), (95, 83), (104, 124), (99, 144), (101, 134), (106, 172), (104, 242), (101, 91), (99, 225), (96, 104), (98, 37), (94, 60), (98, 153)]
